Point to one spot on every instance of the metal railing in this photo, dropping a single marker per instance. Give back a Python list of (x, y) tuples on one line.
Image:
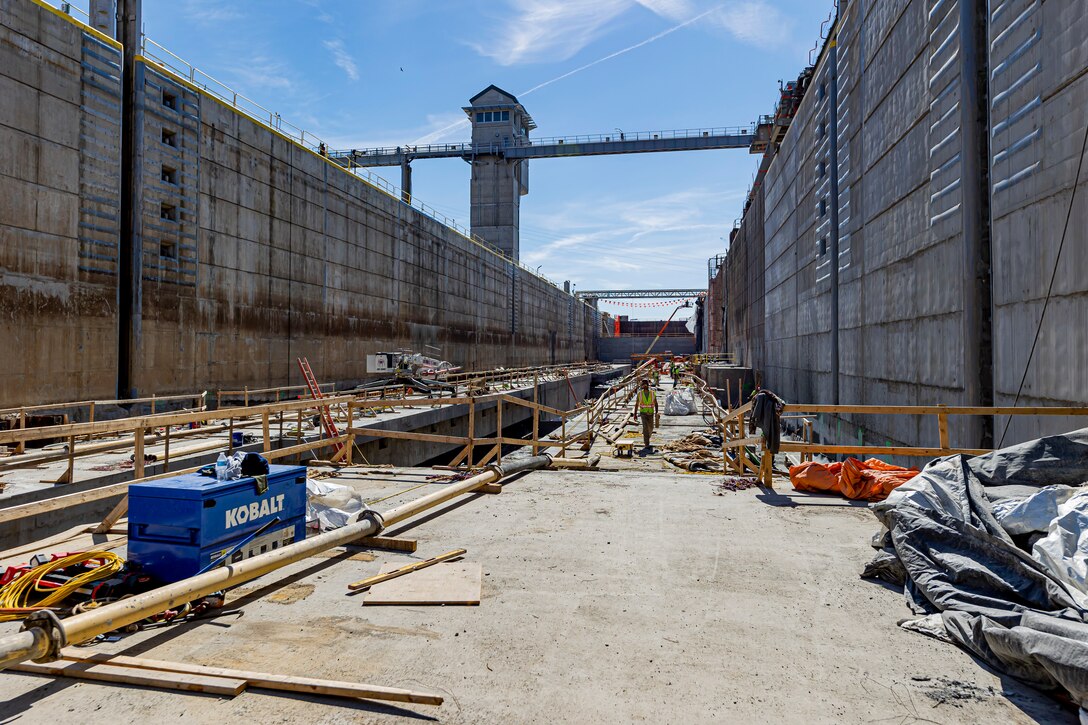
[(178, 66), (172, 63), (468, 148)]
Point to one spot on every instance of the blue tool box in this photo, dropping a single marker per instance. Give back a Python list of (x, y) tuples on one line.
[(178, 526)]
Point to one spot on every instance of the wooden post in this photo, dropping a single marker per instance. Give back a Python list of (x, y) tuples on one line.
[(942, 430), (71, 475), (230, 435), (728, 398), (280, 436), (563, 446), (152, 404), (138, 454), (265, 432), (245, 393), (166, 453), (498, 429), (351, 448), (21, 448), (536, 413), (298, 438), (471, 431), (90, 420)]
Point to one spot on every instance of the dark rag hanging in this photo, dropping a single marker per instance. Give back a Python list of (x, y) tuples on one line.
[(767, 415)]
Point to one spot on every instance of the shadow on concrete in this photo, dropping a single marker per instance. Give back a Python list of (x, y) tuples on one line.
[(794, 499)]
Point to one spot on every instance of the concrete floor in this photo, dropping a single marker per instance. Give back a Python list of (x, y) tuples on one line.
[(607, 597)]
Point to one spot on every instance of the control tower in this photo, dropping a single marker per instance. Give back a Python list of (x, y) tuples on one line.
[(499, 123)]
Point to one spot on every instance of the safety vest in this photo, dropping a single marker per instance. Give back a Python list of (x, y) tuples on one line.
[(646, 401)]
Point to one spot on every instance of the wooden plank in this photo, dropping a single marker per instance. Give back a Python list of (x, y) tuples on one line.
[(534, 405), (386, 542), (95, 494), (458, 583), (157, 421), (286, 683), (489, 488), (879, 450), (84, 670), (942, 431), (933, 410), (406, 435), (399, 572)]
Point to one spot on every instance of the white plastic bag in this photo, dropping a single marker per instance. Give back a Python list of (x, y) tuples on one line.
[(1064, 550), (332, 505), (680, 402)]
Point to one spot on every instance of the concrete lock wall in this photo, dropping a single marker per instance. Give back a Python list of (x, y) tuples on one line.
[(248, 250), (60, 196), (1038, 60), (914, 201), (900, 219), (282, 254)]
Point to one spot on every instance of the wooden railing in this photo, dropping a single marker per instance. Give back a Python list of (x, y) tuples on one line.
[(736, 444)]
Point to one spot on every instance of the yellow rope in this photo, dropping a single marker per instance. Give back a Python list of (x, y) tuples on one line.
[(17, 593)]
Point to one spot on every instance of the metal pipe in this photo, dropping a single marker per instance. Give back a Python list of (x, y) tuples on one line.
[(37, 643)]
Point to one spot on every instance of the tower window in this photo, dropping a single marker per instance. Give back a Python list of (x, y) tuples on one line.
[(169, 175), (823, 207), (170, 138), (168, 212), (821, 169), (170, 100), (168, 250), (821, 248)]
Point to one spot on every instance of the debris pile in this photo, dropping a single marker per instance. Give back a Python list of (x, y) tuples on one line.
[(734, 484), (700, 451), (992, 555)]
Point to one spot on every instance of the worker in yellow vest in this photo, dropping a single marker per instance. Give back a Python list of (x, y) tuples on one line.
[(647, 410)]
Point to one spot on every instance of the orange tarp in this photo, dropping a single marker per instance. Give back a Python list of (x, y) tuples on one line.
[(871, 480)]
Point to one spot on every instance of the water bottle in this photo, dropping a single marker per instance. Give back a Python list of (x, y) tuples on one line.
[(221, 467)]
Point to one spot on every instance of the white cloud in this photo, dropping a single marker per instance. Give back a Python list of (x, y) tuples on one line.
[(342, 58), (261, 72), (555, 30), (650, 242), (756, 23), (209, 12), (550, 30)]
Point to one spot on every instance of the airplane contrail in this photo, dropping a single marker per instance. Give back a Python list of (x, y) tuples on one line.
[(435, 135), (618, 53)]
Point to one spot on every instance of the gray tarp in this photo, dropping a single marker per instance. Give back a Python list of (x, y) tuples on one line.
[(961, 567)]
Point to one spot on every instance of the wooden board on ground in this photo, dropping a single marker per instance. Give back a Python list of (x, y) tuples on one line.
[(127, 676), (446, 583), (386, 542), (287, 683)]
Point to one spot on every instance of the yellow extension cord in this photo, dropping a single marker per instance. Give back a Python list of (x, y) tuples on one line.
[(16, 594)]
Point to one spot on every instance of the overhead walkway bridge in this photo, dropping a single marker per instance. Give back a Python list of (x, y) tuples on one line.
[(641, 142)]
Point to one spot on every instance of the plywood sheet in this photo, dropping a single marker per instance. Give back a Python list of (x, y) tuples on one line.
[(446, 583)]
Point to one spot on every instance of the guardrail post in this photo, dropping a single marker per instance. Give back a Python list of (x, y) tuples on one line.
[(498, 430), (21, 448), (166, 453), (298, 438), (536, 413), (71, 474), (942, 430), (138, 454), (230, 435), (265, 432), (471, 432)]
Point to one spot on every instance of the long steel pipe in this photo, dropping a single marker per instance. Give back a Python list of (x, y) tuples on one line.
[(36, 643)]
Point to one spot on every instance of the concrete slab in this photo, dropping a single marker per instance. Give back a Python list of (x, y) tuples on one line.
[(607, 597)]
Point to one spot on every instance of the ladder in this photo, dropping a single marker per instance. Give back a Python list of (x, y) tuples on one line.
[(327, 423)]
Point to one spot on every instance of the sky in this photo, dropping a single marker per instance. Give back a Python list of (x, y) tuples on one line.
[(366, 73)]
